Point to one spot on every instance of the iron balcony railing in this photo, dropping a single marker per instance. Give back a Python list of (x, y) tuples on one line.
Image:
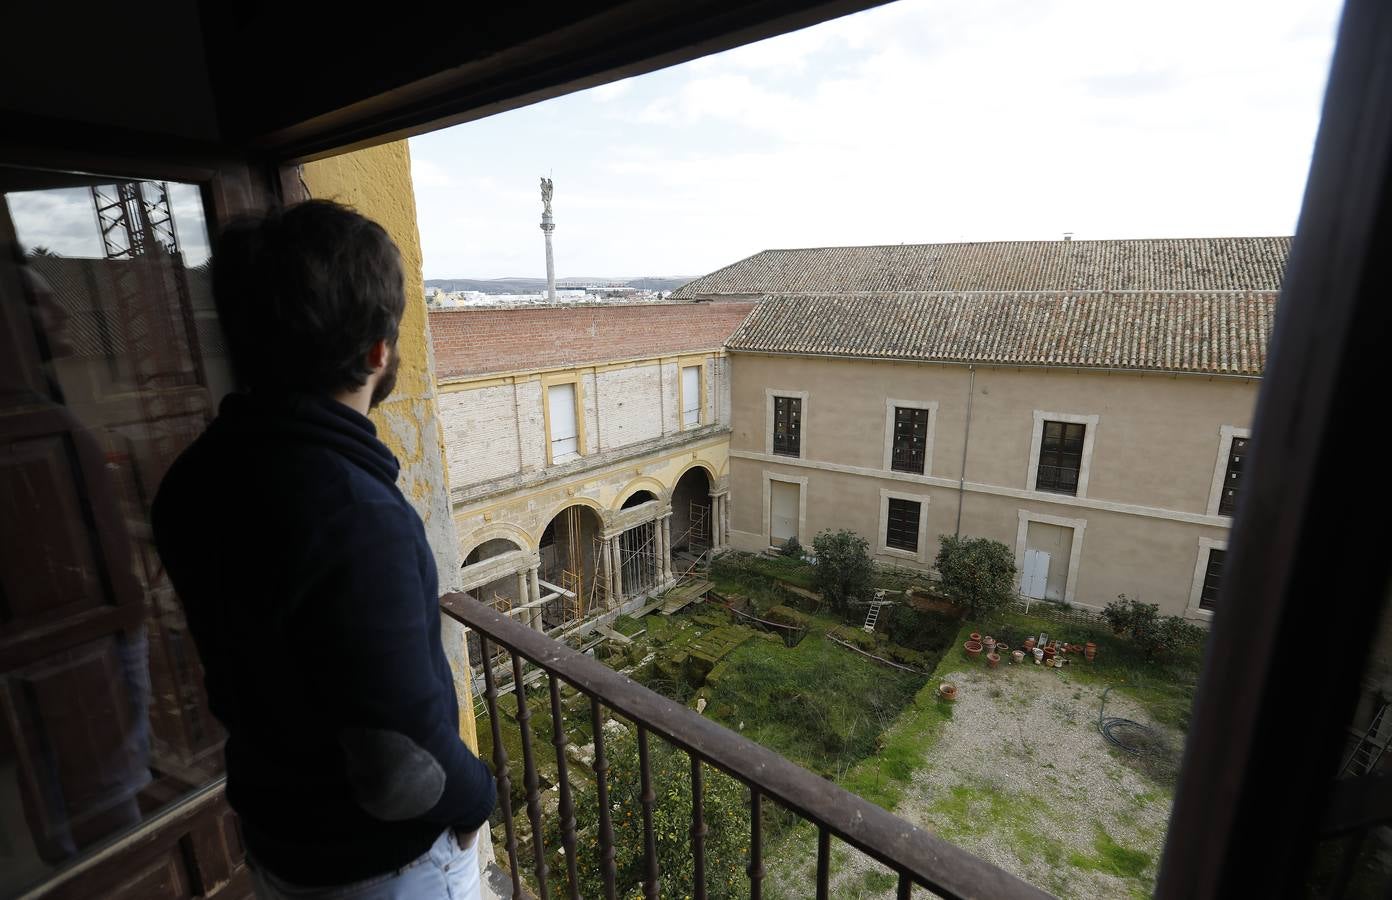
[(917, 857)]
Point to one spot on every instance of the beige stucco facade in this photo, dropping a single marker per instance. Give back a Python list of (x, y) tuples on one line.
[(1142, 522), (649, 481)]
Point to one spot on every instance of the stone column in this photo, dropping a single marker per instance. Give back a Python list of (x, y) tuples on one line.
[(666, 559), (606, 562), (717, 515), (618, 567), (534, 580), (524, 596)]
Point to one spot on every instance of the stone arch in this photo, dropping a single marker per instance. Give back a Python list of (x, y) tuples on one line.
[(496, 531), (579, 500), (711, 472), (642, 483)]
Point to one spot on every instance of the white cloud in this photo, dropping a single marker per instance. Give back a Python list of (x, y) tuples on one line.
[(916, 121)]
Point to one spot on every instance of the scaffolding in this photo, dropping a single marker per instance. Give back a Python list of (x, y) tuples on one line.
[(638, 560)]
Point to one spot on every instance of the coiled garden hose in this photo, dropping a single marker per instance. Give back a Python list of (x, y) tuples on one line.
[(1108, 726)]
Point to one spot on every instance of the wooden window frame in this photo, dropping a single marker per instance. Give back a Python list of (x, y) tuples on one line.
[(771, 396), (892, 406), (1037, 445)]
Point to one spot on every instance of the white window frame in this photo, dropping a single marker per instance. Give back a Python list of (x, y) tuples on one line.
[(1220, 469), (547, 383), (1037, 438), (700, 366), (801, 481), (921, 555), (1194, 611), (769, 394), (1075, 554), (932, 407)]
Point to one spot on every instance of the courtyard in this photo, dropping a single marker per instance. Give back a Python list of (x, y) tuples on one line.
[(1014, 769)]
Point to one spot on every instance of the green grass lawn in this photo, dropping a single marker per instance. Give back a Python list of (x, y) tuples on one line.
[(817, 704)]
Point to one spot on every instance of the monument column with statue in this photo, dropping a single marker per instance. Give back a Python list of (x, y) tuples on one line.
[(548, 225)]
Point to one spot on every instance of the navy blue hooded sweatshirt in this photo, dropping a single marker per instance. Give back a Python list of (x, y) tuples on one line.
[(312, 596)]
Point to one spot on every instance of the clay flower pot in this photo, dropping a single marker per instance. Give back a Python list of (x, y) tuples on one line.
[(1089, 651), (1018, 656), (993, 659), (1049, 653), (973, 649), (976, 636), (1038, 655), (1002, 649), (1029, 645), (948, 691)]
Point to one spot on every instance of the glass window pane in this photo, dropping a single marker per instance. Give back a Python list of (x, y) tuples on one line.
[(112, 363)]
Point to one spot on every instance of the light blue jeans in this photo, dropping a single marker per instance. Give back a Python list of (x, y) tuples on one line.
[(446, 871)]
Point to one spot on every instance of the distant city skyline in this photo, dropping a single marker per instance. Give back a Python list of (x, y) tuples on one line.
[(917, 122)]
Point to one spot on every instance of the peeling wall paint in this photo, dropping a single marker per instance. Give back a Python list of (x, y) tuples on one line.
[(377, 182)]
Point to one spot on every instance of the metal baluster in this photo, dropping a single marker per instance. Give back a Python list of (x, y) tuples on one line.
[(698, 830), (823, 862), (500, 763), (558, 739), (905, 886), (756, 841), (648, 798), (524, 718), (606, 827)]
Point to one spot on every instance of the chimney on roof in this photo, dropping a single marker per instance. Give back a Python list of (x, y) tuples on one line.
[(1068, 235)]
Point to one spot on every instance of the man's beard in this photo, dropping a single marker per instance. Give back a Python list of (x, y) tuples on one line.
[(387, 383)]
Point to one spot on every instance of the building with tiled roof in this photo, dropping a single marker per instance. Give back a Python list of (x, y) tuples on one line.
[(1176, 264), (1213, 332), (1086, 403)]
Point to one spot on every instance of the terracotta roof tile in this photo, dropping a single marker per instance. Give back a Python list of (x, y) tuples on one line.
[(1209, 332), (1178, 264)]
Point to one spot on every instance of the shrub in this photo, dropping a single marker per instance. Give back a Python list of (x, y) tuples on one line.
[(976, 573), (1148, 630), (843, 570), (726, 815), (792, 548)]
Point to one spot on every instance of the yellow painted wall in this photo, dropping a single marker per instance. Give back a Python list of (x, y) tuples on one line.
[(377, 182)]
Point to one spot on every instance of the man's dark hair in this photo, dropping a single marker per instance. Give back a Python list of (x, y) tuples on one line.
[(303, 293)]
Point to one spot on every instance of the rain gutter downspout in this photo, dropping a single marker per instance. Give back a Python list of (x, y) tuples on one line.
[(966, 438)]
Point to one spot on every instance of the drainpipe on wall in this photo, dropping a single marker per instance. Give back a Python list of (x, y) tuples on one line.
[(966, 438)]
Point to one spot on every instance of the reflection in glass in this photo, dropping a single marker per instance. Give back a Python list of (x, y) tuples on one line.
[(111, 364)]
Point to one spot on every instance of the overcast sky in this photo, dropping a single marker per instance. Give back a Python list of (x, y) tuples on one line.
[(920, 121)]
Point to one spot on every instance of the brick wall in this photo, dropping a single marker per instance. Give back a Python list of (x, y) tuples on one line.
[(480, 341)]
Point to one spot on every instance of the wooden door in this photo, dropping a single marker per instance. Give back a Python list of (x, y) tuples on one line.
[(784, 503)]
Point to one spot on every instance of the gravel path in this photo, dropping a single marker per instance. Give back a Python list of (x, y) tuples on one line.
[(1021, 777)]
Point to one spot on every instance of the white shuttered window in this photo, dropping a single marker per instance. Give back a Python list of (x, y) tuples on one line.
[(564, 434), (691, 396)]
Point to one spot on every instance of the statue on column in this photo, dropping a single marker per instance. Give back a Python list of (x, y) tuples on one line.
[(546, 190)]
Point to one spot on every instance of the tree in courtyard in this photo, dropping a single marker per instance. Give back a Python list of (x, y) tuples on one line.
[(977, 573), (843, 572)]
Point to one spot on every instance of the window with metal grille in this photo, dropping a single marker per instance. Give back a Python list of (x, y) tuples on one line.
[(787, 426), (1213, 577), (1232, 479), (1060, 457), (901, 529), (910, 440)]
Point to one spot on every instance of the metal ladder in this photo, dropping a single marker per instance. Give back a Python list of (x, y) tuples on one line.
[(1370, 747), (873, 615)]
